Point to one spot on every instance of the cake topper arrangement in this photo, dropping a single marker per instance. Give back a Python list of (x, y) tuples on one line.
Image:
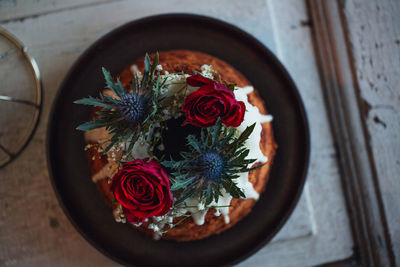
[(151, 185)]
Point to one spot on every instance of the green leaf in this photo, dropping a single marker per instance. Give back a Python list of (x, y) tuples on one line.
[(91, 101), (215, 132), (110, 99), (233, 189), (134, 84), (230, 85), (179, 184), (246, 133), (243, 155), (119, 88), (185, 195), (155, 63), (111, 85), (146, 63), (208, 195), (192, 141), (255, 168), (107, 149), (90, 125), (133, 139)]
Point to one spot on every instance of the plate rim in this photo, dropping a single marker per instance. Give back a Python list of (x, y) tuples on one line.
[(254, 42)]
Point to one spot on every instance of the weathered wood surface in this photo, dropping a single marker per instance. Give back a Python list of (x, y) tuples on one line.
[(374, 33), (20, 9), (33, 229)]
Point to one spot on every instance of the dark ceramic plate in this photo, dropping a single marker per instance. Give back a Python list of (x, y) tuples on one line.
[(70, 172)]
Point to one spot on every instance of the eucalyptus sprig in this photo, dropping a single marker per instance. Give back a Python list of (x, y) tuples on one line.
[(212, 164), (129, 114)]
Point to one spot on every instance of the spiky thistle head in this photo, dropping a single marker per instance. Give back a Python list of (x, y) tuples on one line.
[(212, 164), (134, 108)]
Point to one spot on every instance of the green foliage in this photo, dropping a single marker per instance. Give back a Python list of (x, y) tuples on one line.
[(186, 176), (230, 85)]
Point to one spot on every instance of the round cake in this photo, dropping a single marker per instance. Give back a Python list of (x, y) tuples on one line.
[(197, 163)]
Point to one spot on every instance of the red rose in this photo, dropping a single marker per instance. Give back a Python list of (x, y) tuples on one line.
[(211, 101), (143, 189)]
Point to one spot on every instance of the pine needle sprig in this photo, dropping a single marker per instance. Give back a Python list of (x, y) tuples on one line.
[(213, 163)]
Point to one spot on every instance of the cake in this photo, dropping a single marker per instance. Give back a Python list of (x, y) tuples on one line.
[(180, 145)]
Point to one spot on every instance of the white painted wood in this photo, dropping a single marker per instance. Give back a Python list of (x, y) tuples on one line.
[(374, 32), (32, 225), (332, 239), (20, 9)]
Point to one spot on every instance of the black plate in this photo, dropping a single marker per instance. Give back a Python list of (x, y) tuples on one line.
[(70, 172)]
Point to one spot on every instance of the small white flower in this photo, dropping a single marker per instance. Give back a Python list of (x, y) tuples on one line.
[(157, 236), (163, 90), (159, 67), (161, 147), (200, 206)]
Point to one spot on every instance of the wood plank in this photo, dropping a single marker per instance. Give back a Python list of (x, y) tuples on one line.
[(20, 9), (374, 32), (332, 239), (360, 178)]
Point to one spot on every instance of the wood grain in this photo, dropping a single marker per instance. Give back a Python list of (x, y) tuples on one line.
[(374, 32), (21, 9)]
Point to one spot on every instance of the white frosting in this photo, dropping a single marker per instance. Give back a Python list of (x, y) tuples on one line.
[(251, 116)]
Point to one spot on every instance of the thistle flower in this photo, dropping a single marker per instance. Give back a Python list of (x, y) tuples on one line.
[(212, 164), (130, 114), (134, 108)]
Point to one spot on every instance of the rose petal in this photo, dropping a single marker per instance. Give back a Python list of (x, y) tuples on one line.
[(236, 116), (198, 80), (143, 190)]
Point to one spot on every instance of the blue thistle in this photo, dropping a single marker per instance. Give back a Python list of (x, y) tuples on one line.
[(134, 108), (212, 164)]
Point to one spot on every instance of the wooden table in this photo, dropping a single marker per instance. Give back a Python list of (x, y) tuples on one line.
[(345, 59)]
